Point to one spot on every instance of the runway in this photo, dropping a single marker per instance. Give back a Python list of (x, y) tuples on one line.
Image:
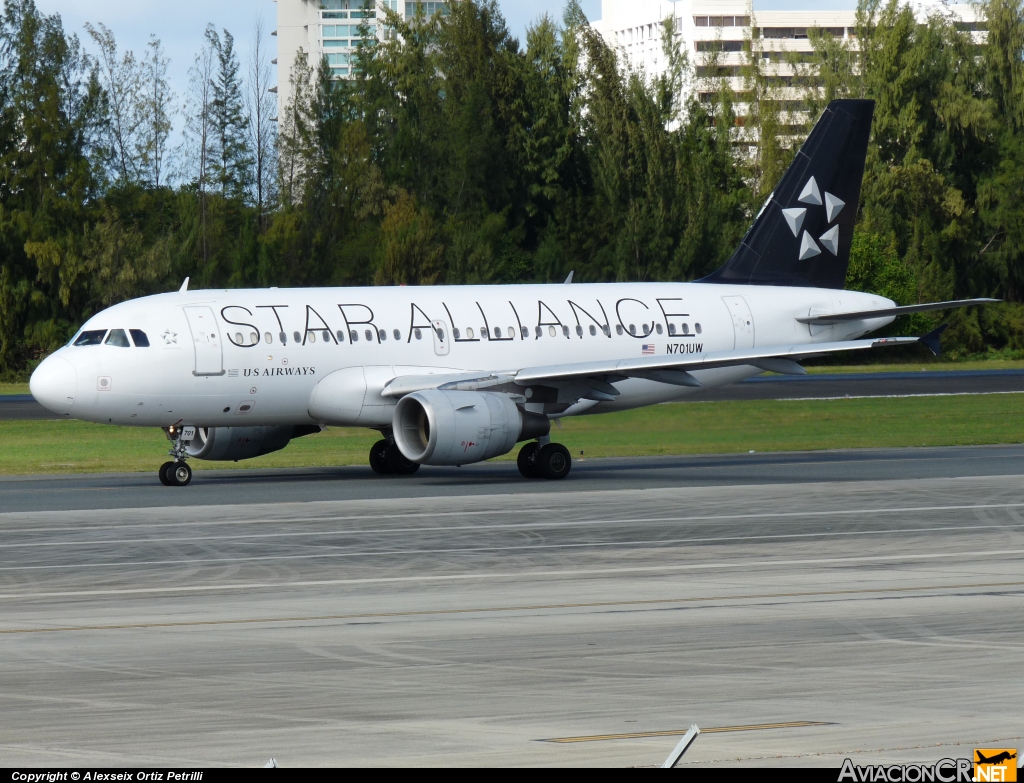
[(872, 613), (763, 387)]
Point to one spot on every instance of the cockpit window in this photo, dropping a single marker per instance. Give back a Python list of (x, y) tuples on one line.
[(141, 341), (118, 338), (92, 337)]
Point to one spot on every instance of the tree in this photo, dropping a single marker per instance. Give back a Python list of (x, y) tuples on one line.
[(230, 159), (261, 109), (157, 109), (122, 83)]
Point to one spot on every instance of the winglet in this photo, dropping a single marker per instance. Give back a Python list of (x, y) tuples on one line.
[(569, 278), (932, 339), (184, 287)]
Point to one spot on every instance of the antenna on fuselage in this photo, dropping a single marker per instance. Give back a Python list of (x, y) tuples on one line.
[(184, 287), (569, 278)]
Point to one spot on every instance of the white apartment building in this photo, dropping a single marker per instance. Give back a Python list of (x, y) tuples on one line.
[(332, 28), (715, 31)]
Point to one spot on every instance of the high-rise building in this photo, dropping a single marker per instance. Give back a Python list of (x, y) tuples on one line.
[(332, 29), (714, 33)]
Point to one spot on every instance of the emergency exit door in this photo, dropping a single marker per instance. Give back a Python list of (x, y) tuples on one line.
[(742, 322), (206, 340)]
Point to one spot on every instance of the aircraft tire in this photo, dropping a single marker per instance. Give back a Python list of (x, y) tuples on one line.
[(553, 461), (527, 460), (164, 478), (397, 462), (379, 458), (180, 474)]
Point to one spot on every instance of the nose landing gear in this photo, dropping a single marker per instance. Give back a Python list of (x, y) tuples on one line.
[(177, 473)]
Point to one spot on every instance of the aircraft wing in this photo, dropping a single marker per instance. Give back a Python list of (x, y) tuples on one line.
[(863, 315), (598, 376), (640, 367)]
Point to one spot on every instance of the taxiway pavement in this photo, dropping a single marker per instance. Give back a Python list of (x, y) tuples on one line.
[(833, 606)]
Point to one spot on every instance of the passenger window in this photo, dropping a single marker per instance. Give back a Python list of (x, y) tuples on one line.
[(671, 328), (593, 330), (396, 334), (353, 336), (483, 333), (368, 335), (92, 337), (268, 338), (341, 336), (469, 333), (686, 329), (139, 337), (697, 327), (551, 331), (297, 337), (457, 332), (607, 330), (632, 329), (118, 338), (647, 330), (419, 334), (525, 332), (618, 329), (311, 337), (497, 332), (565, 330), (284, 338), (326, 336), (382, 335), (658, 328), (539, 331)]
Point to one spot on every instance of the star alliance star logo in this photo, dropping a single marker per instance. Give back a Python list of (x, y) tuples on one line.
[(795, 219), (170, 338)]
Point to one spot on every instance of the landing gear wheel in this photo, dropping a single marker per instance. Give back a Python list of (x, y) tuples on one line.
[(527, 460), (180, 474), (398, 464), (164, 478), (379, 458), (553, 461)]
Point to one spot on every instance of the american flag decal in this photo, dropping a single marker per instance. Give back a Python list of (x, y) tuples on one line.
[(647, 349)]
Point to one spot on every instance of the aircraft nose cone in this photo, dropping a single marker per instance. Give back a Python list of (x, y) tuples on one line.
[(53, 384)]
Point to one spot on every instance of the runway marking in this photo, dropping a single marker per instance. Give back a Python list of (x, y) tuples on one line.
[(482, 529), (497, 609), (888, 396), (797, 724), (509, 526)]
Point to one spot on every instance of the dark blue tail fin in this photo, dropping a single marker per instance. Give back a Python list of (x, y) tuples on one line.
[(802, 235)]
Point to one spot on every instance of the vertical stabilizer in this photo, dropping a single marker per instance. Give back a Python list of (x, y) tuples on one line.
[(802, 235)]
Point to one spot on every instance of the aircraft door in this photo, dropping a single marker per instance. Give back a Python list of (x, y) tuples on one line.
[(742, 322), (441, 343), (206, 341)]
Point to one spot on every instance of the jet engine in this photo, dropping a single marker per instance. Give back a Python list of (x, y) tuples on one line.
[(237, 443), (435, 427)]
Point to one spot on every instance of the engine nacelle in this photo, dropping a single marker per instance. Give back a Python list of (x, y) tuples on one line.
[(236, 443), (434, 427)]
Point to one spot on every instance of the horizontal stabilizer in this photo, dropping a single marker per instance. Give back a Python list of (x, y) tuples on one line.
[(888, 312)]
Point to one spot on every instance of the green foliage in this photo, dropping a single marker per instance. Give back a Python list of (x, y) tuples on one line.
[(458, 154)]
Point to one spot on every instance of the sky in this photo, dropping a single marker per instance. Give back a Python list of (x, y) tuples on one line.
[(180, 23)]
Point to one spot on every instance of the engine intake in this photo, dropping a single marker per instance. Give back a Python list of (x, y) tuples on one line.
[(237, 443), (435, 427)]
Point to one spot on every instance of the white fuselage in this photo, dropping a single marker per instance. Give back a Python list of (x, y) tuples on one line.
[(217, 358)]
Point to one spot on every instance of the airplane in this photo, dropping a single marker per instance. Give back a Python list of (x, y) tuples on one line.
[(453, 375), (996, 759)]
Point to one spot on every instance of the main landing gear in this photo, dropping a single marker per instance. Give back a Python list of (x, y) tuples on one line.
[(550, 461), (386, 459)]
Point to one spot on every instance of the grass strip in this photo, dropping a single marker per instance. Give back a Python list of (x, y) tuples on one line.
[(28, 447)]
